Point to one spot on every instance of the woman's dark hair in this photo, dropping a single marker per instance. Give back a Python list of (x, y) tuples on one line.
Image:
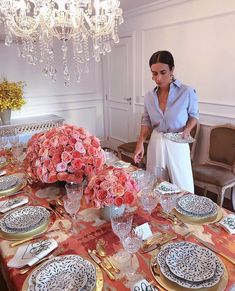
[(163, 57)]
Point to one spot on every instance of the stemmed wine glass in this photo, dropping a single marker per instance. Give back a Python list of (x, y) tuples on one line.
[(3, 142), (132, 243), (14, 140), (17, 151), (72, 207), (121, 223), (149, 200), (168, 203), (72, 202)]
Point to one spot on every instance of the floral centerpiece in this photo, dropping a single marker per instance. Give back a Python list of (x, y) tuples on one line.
[(11, 95), (65, 153), (111, 186)]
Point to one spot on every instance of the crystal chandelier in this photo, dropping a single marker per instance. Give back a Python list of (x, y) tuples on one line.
[(34, 25)]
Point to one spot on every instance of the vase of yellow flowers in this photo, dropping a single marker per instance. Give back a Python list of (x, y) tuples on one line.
[(11, 98)]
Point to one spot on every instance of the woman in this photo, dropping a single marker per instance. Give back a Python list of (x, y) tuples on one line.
[(169, 107)]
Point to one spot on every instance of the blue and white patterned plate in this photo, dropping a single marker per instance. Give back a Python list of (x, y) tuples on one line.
[(24, 219), (196, 206), (6, 182), (191, 262), (63, 263), (165, 270), (177, 137)]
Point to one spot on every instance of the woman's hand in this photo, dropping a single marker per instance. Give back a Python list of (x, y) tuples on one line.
[(139, 153), (186, 132)]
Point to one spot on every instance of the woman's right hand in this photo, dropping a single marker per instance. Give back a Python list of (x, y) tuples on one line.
[(139, 153)]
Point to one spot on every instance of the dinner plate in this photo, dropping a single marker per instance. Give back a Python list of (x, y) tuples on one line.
[(25, 218), (21, 183), (177, 137), (54, 277), (191, 262), (63, 263), (197, 206), (165, 270), (7, 182), (167, 188)]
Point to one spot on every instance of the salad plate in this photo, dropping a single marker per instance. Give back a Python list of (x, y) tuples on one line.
[(167, 188), (7, 182), (191, 262), (177, 137), (20, 184), (197, 206), (25, 218), (90, 275), (165, 270)]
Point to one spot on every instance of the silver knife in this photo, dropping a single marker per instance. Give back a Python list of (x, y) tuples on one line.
[(99, 262), (212, 248)]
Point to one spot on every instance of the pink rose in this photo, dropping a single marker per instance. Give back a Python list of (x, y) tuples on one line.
[(61, 167)]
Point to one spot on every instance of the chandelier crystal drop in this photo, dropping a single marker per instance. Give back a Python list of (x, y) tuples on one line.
[(35, 25)]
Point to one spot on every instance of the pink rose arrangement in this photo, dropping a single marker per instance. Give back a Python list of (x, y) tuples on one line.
[(111, 186), (65, 153)]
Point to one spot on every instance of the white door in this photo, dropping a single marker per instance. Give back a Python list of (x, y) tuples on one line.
[(118, 83)]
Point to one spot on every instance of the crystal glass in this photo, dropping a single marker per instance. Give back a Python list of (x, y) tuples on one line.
[(110, 157), (121, 223), (72, 207), (132, 243), (74, 189), (14, 140), (17, 151), (149, 200), (144, 178), (168, 203), (3, 142)]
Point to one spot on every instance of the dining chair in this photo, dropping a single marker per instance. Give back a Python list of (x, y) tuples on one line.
[(218, 173), (126, 150)]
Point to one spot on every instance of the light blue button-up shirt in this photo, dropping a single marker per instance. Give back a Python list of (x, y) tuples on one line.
[(182, 103)]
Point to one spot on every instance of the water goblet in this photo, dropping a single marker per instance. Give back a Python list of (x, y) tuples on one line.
[(121, 223), (14, 140), (3, 142), (17, 151), (168, 203), (72, 207), (132, 243), (74, 190), (149, 200)]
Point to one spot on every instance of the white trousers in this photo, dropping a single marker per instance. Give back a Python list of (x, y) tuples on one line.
[(173, 157)]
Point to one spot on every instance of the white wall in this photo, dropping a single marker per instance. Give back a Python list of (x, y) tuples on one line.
[(80, 103), (200, 34)]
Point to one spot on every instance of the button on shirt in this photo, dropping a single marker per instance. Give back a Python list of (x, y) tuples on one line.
[(182, 103)]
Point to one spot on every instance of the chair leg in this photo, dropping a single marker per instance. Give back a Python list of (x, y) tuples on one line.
[(220, 198), (205, 191), (233, 198)]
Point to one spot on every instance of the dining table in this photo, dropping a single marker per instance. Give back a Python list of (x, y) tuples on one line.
[(91, 228)]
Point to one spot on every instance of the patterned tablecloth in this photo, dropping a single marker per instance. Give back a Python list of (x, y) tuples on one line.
[(91, 228)]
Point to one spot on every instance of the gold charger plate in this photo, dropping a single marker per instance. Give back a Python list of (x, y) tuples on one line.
[(99, 277), (19, 236), (169, 285), (198, 220), (14, 189)]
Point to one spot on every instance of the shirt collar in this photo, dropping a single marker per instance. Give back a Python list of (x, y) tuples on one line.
[(174, 83)]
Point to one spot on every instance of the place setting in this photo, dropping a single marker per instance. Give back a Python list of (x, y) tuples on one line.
[(195, 209), (24, 222), (12, 184), (65, 272), (185, 266)]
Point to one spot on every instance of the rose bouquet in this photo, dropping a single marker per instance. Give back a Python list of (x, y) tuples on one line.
[(65, 153), (111, 186)]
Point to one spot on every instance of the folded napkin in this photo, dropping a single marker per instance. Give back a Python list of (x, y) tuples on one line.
[(167, 188), (9, 204), (228, 223), (31, 253)]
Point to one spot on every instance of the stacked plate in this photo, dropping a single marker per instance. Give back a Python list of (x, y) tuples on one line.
[(7, 182), (196, 206), (190, 265), (24, 219), (70, 272), (178, 137)]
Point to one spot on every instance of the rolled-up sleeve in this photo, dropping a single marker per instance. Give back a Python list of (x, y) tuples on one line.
[(145, 119), (193, 110)]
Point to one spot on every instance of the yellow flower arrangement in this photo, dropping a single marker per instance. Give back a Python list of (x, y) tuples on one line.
[(11, 95)]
